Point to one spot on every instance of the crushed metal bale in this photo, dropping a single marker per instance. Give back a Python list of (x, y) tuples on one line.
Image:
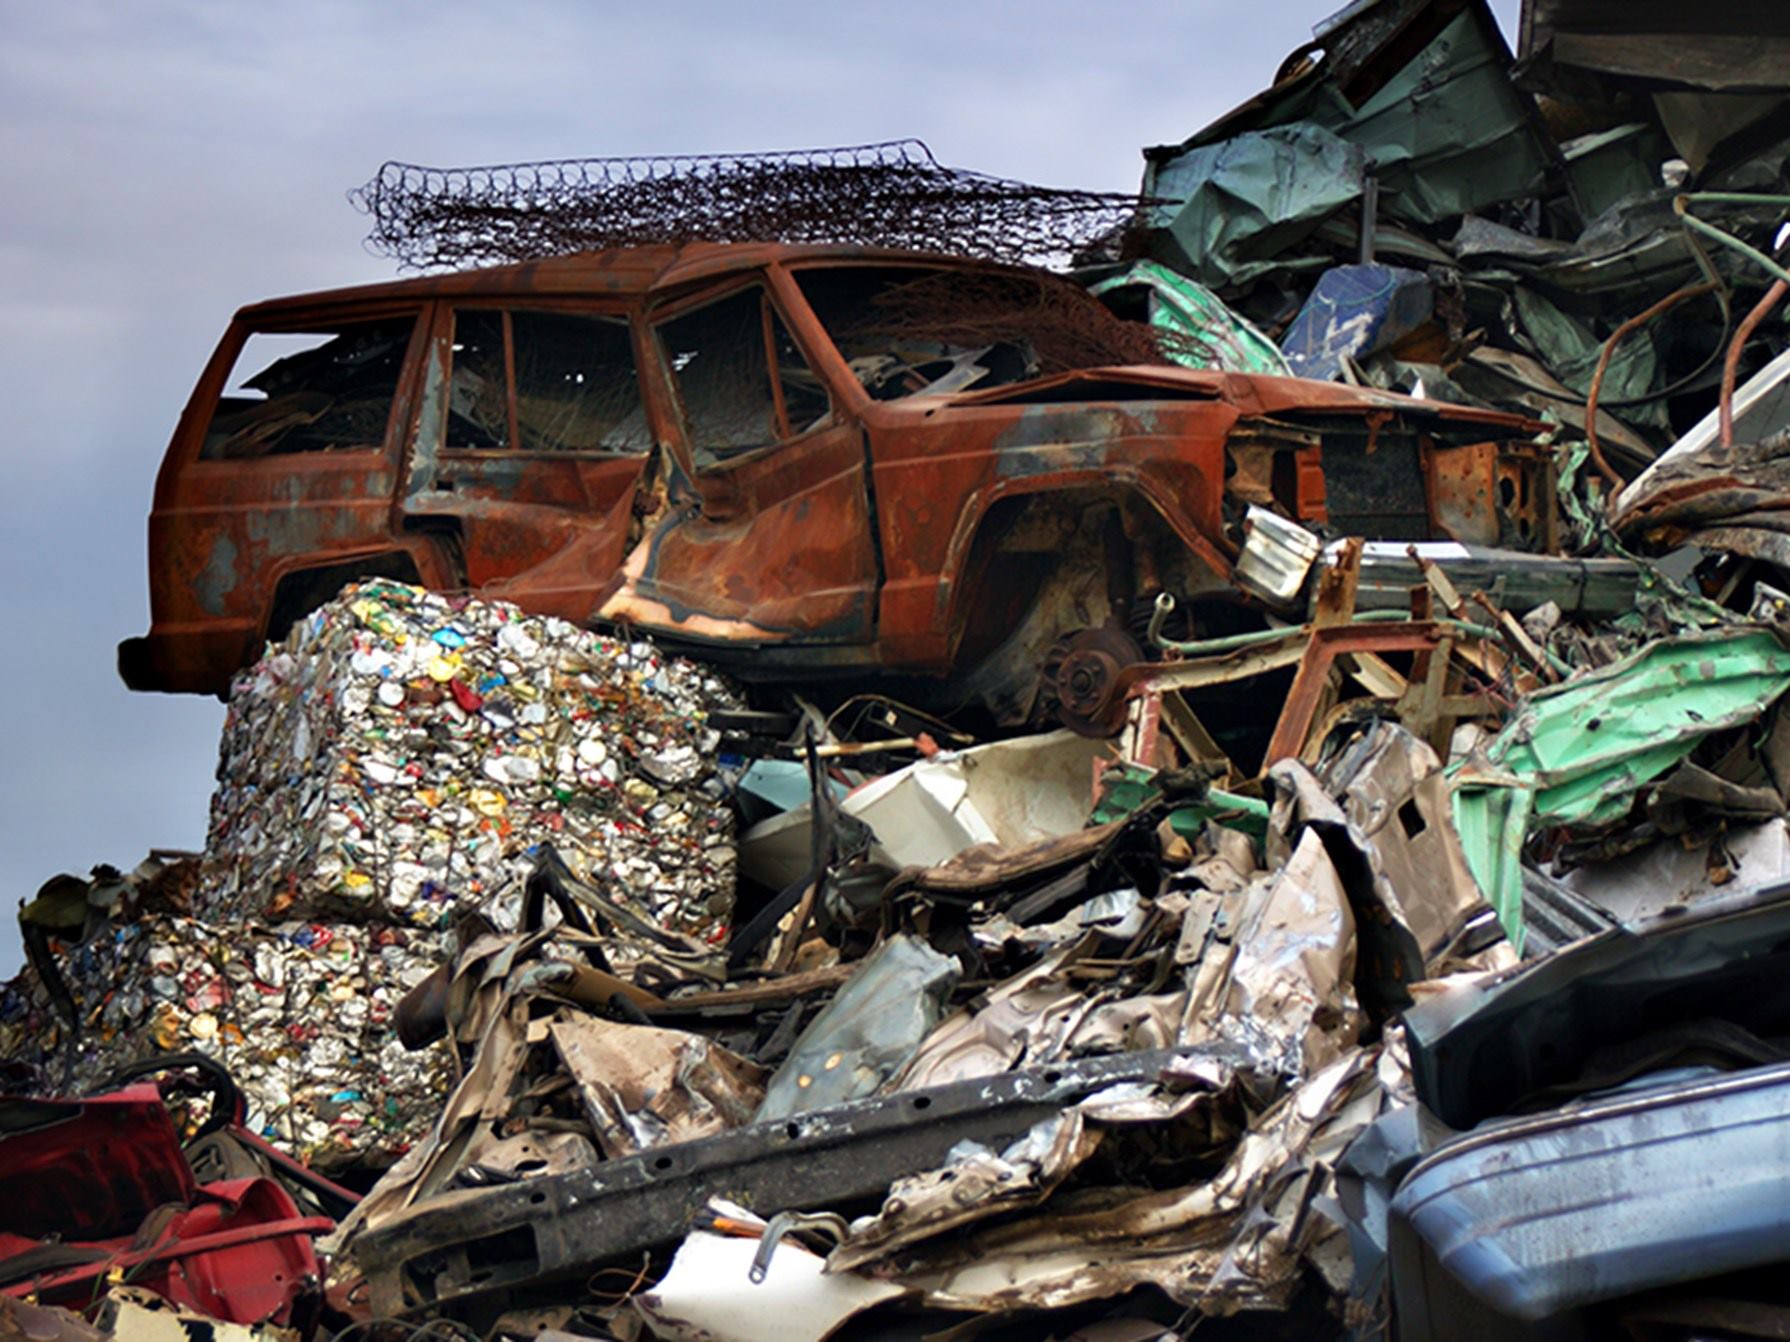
[(401, 751)]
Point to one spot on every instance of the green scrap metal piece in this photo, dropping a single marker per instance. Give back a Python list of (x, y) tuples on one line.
[(1570, 350), (1609, 165), (1249, 815), (1248, 201), (1591, 744), (1202, 331), (1576, 754), (1491, 816), (1126, 789), (1446, 135), (1584, 518), (1449, 134)]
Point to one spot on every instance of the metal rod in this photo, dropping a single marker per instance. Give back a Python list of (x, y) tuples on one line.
[(1370, 218), (1731, 365), (1211, 647), (1634, 323), (1729, 240)]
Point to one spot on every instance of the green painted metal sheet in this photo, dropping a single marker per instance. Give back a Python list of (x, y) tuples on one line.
[(1576, 754), (1202, 331)]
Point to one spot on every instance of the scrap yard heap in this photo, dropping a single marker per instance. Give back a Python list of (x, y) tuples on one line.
[(820, 745)]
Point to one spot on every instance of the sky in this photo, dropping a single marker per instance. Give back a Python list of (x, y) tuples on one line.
[(162, 164)]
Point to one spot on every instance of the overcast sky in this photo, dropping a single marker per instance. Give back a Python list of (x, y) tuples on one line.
[(161, 164)]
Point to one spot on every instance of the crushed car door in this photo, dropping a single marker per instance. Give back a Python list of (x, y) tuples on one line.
[(769, 539), (530, 450)]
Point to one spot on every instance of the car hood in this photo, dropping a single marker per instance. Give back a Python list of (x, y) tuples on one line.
[(1250, 393)]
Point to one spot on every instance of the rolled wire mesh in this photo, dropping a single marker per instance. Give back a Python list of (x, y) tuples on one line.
[(893, 194)]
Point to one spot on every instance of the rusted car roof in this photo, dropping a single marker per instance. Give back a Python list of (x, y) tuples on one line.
[(637, 271), (631, 271)]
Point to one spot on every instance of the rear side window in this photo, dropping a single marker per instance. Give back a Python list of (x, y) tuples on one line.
[(325, 390), (906, 330), (742, 382), (544, 382)]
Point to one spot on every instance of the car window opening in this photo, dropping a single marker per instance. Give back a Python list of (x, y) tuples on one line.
[(721, 357), (909, 330), (315, 391), (576, 388)]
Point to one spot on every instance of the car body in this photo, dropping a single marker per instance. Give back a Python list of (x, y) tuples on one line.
[(714, 443)]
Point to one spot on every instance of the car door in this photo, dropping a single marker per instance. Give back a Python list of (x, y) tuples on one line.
[(531, 448), (766, 536)]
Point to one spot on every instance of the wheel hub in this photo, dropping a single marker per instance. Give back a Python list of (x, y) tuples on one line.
[(1084, 678)]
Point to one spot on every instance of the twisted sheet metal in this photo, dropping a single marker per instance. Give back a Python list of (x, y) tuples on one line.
[(893, 194)]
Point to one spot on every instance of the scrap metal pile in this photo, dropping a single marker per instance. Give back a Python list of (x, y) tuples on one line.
[(1395, 942), (1583, 232)]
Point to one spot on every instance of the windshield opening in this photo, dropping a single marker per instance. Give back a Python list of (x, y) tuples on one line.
[(907, 330)]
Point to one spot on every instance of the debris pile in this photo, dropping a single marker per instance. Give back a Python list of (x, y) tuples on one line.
[(1409, 207), (1248, 849), (1152, 1012)]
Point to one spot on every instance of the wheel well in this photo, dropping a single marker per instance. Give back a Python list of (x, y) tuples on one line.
[(300, 592), (1043, 566), (1021, 543)]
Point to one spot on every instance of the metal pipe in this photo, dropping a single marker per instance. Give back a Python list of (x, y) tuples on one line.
[(1731, 365), (1213, 647), (1165, 606), (1633, 324), (1728, 198), (1729, 240)]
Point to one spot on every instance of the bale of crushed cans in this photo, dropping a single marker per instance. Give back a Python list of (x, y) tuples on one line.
[(401, 755), (399, 758), (300, 1013)]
